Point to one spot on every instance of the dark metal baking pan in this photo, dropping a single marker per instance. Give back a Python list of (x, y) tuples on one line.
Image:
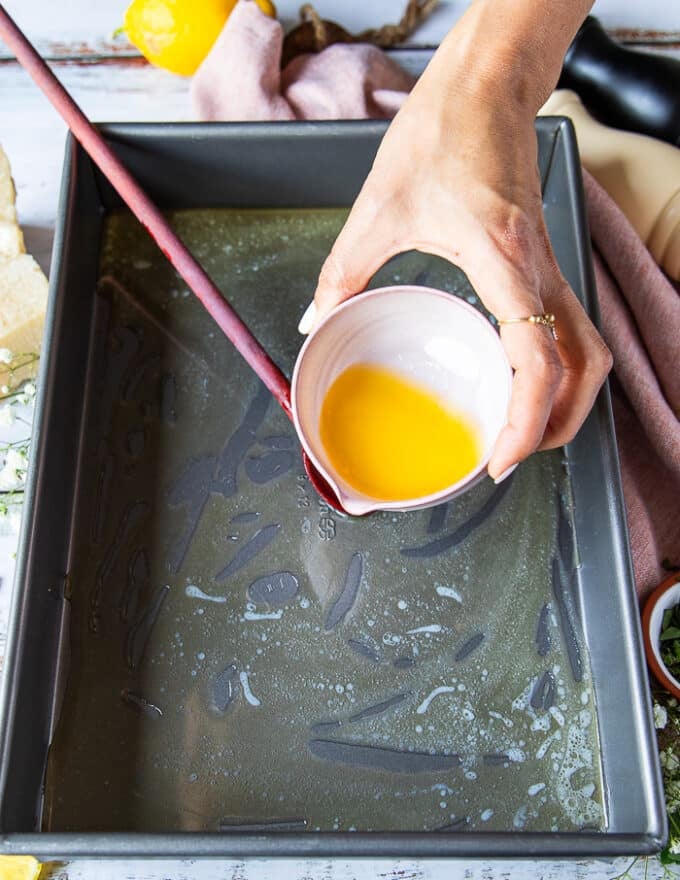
[(127, 680)]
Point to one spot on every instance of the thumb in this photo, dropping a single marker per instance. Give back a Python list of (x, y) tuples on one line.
[(360, 249)]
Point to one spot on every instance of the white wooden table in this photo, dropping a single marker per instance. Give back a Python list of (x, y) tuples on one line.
[(111, 83)]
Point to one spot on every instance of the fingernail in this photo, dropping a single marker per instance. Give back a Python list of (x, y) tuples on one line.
[(505, 474), (308, 319)]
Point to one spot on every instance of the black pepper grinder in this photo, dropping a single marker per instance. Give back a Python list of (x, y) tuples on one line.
[(621, 87)]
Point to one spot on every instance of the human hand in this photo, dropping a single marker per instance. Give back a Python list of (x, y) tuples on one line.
[(456, 175)]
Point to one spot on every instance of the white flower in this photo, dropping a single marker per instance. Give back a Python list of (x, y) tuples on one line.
[(14, 470), (674, 846), (29, 390), (14, 521), (4, 389), (8, 480), (7, 416), (668, 761), (660, 717), (6, 356), (17, 458), (672, 792)]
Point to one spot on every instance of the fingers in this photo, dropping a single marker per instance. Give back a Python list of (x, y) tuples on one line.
[(509, 288), (538, 371), (555, 383), (360, 249), (586, 362)]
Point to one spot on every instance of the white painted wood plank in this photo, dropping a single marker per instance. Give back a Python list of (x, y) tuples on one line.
[(294, 869), (663, 15), (33, 135), (80, 26)]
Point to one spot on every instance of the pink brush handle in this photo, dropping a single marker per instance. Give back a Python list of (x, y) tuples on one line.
[(147, 213)]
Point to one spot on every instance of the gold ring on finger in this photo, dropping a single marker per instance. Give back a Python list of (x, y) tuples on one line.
[(547, 320)]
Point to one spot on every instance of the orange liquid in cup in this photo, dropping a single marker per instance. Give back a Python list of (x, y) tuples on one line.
[(392, 439)]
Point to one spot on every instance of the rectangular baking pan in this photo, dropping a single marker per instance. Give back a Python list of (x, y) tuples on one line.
[(298, 165)]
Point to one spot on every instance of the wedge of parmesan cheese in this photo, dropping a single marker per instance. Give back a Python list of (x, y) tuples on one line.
[(23, 294), (23, 297), (11, 241)]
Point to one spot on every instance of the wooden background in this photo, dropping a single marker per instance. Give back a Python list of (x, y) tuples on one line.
[(111, 82)]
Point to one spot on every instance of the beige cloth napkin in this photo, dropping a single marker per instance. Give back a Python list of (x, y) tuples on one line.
[(241, 80)]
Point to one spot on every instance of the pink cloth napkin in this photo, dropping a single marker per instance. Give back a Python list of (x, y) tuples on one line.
[(640, 311), (240, 80)]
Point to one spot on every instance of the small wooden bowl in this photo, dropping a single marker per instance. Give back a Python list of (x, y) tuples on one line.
[(666, 595)]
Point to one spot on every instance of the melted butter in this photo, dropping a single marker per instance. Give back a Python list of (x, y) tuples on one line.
[(392, 439)]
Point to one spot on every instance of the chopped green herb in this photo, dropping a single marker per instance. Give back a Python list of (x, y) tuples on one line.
[(669, 640), (673, 632)]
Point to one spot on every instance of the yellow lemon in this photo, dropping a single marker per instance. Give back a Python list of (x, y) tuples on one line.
[(19, 868), (178, 34)]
